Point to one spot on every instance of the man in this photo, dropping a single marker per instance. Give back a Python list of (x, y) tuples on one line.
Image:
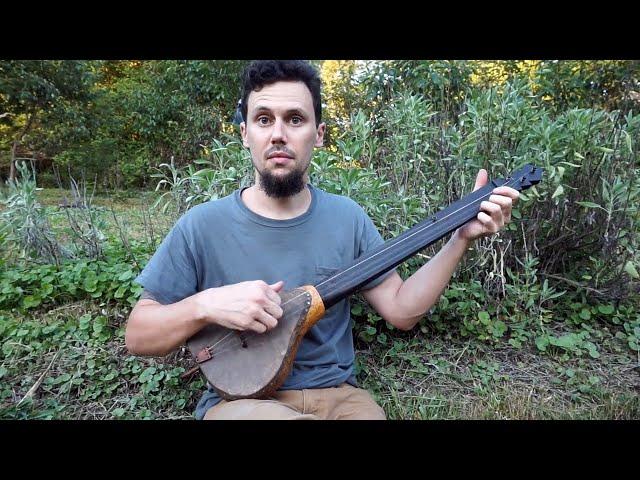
[(226, 261)]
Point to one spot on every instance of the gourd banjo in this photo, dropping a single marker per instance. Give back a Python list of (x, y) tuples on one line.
[(254, 365)]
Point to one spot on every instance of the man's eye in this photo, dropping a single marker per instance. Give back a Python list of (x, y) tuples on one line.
[(263, 120), (296, 120)]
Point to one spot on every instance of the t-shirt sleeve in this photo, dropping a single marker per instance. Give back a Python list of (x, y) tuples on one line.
[(171, 275), (370, 239)]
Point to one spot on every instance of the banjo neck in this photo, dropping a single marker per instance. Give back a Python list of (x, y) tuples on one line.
[(390, 254)]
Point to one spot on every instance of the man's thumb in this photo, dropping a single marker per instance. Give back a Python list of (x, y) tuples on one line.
[(277, 286), (481, 179)]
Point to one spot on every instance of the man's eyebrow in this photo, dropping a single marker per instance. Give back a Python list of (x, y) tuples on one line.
[(262, 108)]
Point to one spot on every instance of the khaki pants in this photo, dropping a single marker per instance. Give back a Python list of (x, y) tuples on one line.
[(343, 402)]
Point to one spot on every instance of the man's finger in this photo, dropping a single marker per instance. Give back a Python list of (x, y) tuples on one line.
[(481, 179), (492, 209), (273, 296), (504, 202), (495, 212), (507, 191), (276, 287), (273, 309), (258, 327), (267, 320), (487, 222)]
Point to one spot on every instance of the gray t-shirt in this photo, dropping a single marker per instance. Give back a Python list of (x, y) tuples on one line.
[(222, 242)]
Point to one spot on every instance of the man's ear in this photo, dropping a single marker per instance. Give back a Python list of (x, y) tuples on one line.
[(320, 135), (243, 132)]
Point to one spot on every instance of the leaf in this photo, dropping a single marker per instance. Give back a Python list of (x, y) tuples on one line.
[(630, 268), (125, 276), (559, 191), (566, 341), (593, 351), (30, 301), (573, 164), (627, 139), (589, 205), (90, 284), (585, 314), (84, 321), (148, 372), (47, 289), (499, 328), (122, 289), (606, 309), (99, 323), (542, 343)]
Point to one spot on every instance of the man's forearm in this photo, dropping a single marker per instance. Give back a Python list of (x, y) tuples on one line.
[(156, 330), (422, 290)]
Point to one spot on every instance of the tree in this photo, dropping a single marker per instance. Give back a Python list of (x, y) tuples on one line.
[(35, 91)]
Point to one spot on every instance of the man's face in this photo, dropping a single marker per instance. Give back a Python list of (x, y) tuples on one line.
[(280, 131)]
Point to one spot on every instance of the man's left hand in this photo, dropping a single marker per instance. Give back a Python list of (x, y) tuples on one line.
[(494, 213)]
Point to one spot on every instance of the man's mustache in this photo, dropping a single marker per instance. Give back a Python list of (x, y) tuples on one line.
[(280, 149)]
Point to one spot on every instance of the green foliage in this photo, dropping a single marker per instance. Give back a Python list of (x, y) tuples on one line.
[(587, 84), (441, 83), (82, 360), (226, 167), (38, 84), (45, 104), (33, 287), (174, 109), (23, 221), (118, 119)]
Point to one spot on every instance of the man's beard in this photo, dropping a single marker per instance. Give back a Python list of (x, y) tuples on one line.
[(282, 186)]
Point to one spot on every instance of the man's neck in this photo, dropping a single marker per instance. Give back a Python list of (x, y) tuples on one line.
[(285, 208)]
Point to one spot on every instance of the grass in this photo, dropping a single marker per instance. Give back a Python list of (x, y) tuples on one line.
[(69, 361), (131, 211), (438, 378), (416, 378)]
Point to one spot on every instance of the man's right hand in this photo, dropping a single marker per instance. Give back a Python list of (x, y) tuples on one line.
[(253, 305)]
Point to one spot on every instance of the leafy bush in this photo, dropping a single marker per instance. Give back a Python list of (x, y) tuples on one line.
[(28, 287), (24, 222)]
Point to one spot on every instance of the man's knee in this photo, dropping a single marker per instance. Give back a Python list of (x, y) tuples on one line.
[(360, 405), (249, 409)]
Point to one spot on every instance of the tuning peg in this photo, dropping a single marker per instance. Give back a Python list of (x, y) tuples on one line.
[(525, 183), (536, 175)]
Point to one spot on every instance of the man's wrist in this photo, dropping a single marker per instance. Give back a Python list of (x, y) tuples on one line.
[(459, 240), (197, 310)]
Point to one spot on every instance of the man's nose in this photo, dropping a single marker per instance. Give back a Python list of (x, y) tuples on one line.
[(278, 133)]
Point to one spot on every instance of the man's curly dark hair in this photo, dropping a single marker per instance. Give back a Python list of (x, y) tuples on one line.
[(264, 72)]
